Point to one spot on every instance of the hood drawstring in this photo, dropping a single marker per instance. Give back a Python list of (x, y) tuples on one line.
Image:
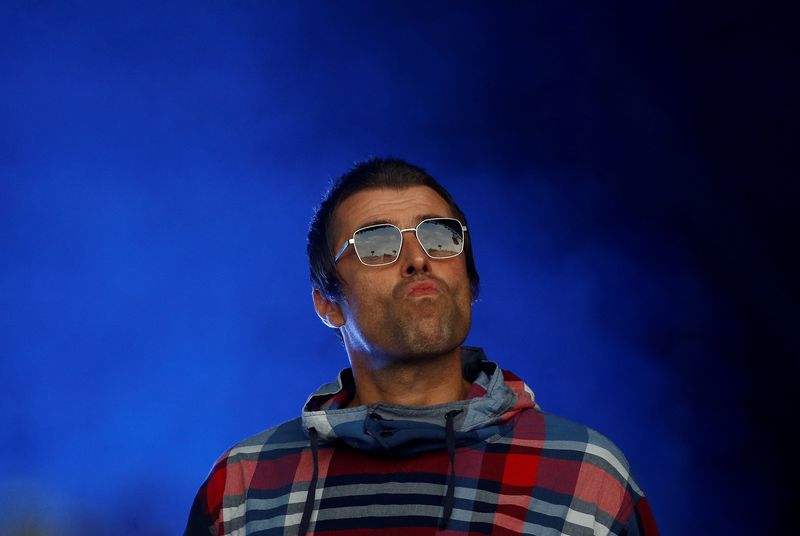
[(450, 441), (311, 495)]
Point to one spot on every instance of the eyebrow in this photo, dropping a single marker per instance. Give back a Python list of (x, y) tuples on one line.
[(418, 218)]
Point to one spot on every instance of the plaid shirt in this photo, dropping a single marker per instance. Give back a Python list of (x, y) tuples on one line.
[(383, 469)]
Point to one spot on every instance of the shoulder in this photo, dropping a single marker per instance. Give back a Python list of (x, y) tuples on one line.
[(275, 441), (234, 471), (265, 451), (571, 434), (566, 440)]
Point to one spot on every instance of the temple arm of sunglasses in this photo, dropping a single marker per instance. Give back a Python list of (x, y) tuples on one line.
[(342, 250)]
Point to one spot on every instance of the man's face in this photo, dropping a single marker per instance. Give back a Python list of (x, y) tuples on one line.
[(416, 306)]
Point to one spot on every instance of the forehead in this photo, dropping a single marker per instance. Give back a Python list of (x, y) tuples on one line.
[(403, 207)]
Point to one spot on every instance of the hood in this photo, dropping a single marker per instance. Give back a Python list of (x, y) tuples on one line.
[(495, 397)]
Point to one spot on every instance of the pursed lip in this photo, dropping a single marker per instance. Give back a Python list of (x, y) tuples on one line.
[(423, 288)]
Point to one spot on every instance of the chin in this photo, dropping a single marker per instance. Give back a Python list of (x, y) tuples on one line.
[(432, 342)]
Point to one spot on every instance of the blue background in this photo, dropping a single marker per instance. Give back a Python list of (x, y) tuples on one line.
[(625, 170)]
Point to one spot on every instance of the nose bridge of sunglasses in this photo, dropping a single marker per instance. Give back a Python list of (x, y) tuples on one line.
[(409, 242)]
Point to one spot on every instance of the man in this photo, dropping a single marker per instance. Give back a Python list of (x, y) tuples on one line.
[(420, 435)]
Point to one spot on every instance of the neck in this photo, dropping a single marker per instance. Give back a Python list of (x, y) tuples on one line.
[(423, 381)]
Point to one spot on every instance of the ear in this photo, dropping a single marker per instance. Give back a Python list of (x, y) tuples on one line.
[(329, 312)]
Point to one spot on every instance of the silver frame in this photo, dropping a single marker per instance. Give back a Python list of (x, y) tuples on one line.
[(353, 241)]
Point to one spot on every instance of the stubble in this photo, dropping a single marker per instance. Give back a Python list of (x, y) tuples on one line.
[(429, 325)]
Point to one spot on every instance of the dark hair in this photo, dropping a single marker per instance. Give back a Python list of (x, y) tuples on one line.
[(372, 173)]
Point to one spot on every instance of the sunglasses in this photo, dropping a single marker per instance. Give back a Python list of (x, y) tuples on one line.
[(378, 245)]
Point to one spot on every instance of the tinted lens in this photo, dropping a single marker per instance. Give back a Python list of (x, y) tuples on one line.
[(441, 237), (378, 245)]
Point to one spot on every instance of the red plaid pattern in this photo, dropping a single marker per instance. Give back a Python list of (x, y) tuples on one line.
[(518, 471)]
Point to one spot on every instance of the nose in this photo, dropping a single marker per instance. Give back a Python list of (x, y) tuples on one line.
[(414, 259)]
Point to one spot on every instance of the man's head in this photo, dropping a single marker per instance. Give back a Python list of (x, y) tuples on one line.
[(390, 191)]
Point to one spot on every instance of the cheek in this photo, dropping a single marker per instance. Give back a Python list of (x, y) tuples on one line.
[(365, 291), (459, 277)]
